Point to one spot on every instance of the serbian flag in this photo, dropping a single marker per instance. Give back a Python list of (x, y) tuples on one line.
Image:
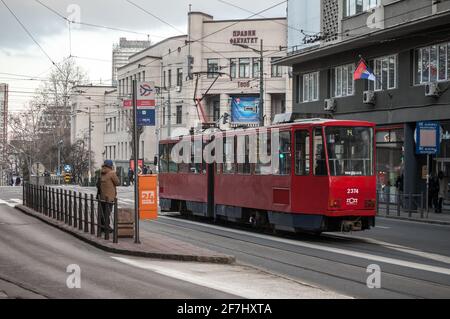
[(364, 72)]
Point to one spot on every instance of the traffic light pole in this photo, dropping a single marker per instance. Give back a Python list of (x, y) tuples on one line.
[(90, 147), (136, 176)]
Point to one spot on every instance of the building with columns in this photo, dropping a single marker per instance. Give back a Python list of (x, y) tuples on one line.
[(217, 63)]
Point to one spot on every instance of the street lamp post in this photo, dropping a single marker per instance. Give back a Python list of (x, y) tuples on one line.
[(261, 79)]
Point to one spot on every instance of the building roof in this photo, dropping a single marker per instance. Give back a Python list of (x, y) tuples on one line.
[(379, 36), (156, 44)]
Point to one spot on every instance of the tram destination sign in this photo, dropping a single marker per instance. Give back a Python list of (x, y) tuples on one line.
[(428, 138)]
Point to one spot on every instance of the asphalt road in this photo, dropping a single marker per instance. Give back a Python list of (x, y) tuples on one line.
[(414, 258), (34, 258)]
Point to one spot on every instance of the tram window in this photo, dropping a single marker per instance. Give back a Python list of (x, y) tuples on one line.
[(183, 167), (163, 158), (264, 160), (219, 158), (350, 151), (284, 156), (173, 167), (302, 153), (320, 164), (195, 164), (228, 152), (243, 155)]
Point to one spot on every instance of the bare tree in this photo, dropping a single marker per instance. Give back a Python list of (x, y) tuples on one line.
[(77, 156)]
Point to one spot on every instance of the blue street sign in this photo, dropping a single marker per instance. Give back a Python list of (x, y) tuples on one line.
[(428, 138), (67, 168), (146, 117)]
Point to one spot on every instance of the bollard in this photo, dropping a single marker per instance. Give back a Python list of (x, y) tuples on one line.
[(92, 215), (115, 223), (99, 214), (388, 205), (70, 208), (61, 215), (106, 221), (398, 204), (86, 216), (421, 205), (75, 218), (80, 212), (378, 203), (410, 205), (65, 207)]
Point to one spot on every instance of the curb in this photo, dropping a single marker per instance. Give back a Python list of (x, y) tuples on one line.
[(424, 221), (109, 247)]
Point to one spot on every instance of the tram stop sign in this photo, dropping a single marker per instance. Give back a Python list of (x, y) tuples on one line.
[(428, 138)]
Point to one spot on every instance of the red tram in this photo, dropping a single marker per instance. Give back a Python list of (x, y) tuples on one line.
[(322, 178)]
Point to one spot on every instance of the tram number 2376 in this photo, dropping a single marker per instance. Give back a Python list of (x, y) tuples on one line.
[(351, 191)]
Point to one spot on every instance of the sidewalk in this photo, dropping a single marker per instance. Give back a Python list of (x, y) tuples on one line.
[(152, 245), (431, 217)]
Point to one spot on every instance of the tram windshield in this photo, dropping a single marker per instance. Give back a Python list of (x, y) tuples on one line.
[(350, 150)]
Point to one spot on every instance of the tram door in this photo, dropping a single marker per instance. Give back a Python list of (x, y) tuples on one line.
[(302, 171)]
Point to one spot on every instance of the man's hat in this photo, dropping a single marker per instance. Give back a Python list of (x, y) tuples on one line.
[(108, 163)]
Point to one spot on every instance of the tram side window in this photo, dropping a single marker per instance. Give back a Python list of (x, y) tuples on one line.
[(218, 160), (228, 153), (243, 155), (173, 167), (163, 158), (195, 165), (284, 157), (264, 160), (320, 165), (182, 166), (302, 153)]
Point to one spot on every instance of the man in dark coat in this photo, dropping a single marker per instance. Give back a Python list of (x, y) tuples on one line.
[(107, 192)]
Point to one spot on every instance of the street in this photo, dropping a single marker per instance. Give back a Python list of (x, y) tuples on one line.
[(414, 258)]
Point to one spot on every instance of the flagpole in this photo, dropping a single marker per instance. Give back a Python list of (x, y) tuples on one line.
[(367, 65)]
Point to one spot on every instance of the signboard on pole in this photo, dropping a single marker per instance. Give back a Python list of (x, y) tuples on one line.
[(428, 138), (145, 96)]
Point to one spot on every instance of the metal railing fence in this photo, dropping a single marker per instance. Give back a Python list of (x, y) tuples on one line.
[(401, 203), (77, 210)]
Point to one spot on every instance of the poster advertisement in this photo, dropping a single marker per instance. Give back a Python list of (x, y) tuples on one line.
[(245, 109)]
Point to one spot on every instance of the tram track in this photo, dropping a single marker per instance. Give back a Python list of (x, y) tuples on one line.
[(356, 268)]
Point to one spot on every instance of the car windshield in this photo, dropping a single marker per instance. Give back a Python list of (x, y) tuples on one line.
[(350, 151)]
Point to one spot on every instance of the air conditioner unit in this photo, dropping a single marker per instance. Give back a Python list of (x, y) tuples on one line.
[(369, 97), (178, 89), (432, 89), (330, 105)]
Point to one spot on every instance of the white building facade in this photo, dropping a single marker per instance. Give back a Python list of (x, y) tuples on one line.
[(90, 108), (209, 63)]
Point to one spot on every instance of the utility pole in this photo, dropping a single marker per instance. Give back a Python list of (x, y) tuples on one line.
[(169, 119), (261, 86), (136, 154), (261, 78)]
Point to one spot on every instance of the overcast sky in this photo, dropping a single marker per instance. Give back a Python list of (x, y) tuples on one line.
[(20, 55)]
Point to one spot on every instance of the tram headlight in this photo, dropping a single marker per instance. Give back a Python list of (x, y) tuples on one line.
[(369, 203), (335, 204)]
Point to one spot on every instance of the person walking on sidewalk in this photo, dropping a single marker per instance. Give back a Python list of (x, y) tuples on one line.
[(107, 192), (131, 176), (443, 190), (433, 194)]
